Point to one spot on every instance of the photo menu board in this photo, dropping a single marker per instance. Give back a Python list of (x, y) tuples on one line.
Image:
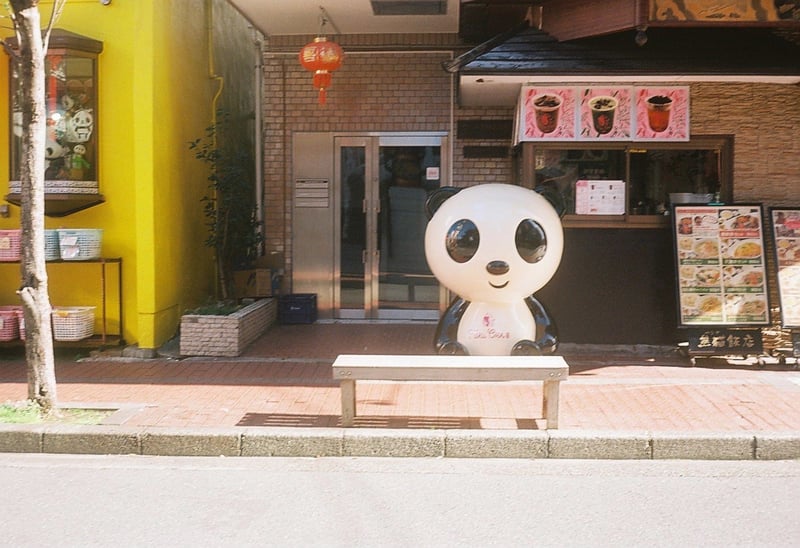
[(786, 232), (719, 252)]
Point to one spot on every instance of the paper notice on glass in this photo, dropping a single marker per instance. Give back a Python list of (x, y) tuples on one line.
[(599, 197)]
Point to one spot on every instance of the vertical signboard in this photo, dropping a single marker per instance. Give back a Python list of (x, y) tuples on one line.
[(719, 253), (786, 235)]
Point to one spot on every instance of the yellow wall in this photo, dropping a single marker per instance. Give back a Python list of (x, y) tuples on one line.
[(154, 96)]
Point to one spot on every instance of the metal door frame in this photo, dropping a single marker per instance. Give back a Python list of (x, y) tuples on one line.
[(372, 142)]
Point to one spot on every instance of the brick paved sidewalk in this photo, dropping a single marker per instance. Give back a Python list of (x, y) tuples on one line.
[(284, 379)]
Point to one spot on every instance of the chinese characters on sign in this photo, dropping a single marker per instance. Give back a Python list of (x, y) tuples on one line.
[(614, 113), (786, 232), (725, 341), (720, 265)]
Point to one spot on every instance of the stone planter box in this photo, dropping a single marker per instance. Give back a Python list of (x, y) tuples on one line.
[(226, 336)]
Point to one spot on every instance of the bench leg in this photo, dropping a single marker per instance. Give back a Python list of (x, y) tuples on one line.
[(550, 403), (348, 388)]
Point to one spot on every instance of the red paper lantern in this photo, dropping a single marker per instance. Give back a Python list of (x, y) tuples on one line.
[(322, 57)]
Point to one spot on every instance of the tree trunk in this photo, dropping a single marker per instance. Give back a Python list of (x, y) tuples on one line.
[(34, 289)]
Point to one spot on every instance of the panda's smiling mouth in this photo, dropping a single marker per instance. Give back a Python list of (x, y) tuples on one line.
[(498, 268)]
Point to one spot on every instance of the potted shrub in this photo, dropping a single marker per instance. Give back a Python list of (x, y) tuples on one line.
[(225, 327), (234, 232)]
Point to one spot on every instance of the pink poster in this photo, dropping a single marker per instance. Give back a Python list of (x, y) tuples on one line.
[(662, 113), (549, 113), (605, 113)]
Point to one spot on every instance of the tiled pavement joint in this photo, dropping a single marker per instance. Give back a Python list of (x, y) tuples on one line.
[(331, 442)]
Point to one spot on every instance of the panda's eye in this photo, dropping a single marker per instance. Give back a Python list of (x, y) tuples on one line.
[(462, 240), (531, 241)]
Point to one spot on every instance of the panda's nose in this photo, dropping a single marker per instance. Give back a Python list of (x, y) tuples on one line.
[(497, 267)]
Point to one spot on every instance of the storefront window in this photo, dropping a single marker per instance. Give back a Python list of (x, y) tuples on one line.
[(658, 176), (626, 182)]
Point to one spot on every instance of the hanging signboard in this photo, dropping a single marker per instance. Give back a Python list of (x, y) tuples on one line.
[(740, 11), (720, 265), (786, 243), (602, 113)]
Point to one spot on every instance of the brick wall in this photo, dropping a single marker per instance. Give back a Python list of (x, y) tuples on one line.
[(472, 171), (373, 91), (765, 119)]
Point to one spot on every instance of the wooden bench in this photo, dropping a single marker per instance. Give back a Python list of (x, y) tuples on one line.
[(349, 368)]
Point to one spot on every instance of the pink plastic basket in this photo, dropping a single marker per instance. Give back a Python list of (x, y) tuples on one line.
[(10, 322), (9, 245)]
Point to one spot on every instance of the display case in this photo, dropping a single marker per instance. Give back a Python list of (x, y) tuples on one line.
[(647, 177), (72, 156)]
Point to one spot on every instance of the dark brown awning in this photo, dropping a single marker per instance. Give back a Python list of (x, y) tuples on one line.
[(674, 55)]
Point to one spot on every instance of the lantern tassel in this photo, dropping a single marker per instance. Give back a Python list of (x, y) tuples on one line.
[(322, 96)]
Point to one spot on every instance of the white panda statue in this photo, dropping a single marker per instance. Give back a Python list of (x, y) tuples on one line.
[(493, 245)]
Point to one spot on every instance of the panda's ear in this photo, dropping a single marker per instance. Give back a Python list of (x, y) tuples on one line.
[(437, 197), (551, 193)]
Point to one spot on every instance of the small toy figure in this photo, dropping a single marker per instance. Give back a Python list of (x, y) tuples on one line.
[(77, 163), (54, 160), (80, 126), (493, 245)]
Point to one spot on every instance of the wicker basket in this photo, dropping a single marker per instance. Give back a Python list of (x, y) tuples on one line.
[(73, 323), (51, 250), (10, 244), (80, 244), (9, 322)]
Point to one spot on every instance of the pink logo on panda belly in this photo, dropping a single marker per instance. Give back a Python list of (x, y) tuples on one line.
[(487, 330)]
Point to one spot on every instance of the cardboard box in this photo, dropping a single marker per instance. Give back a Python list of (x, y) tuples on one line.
[(256, 282)]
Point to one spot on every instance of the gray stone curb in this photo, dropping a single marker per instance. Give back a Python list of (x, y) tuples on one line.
[(373, 442), (598, 444), (711, 446)]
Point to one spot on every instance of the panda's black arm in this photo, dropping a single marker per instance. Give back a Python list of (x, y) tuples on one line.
[(447, 330), (546, 330)]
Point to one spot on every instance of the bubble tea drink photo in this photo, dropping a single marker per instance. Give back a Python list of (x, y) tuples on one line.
[(546, 108), (603, 110), (658, 112)]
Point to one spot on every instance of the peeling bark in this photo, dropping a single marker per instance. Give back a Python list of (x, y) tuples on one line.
[(34, 289)]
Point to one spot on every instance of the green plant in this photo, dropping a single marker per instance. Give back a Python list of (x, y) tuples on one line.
[(218, 308), (229, 207), (28, 412)]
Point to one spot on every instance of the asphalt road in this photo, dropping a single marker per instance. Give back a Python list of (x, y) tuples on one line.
[(120, 501)]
